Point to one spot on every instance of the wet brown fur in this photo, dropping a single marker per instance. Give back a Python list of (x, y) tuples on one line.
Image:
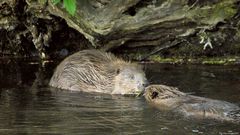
[(91, 71), (170, 98)]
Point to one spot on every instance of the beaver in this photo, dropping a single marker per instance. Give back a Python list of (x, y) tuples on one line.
[(98, 71), (170, 98)]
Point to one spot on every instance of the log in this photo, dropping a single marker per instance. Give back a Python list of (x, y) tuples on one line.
[(109, 24)]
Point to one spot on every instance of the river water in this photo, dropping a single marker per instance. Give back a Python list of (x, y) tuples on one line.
[(29, 107)]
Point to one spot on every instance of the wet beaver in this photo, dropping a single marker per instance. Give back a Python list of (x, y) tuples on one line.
[(98, 71), (170, 98)]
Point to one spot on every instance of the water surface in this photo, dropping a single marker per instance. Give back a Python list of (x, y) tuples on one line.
[(28, 106)]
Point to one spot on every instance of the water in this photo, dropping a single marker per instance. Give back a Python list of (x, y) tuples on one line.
[(28, 106)]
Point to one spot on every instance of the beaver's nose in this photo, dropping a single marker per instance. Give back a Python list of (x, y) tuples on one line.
[(145, 84)]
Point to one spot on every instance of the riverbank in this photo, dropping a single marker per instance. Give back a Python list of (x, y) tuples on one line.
[(229, 60)]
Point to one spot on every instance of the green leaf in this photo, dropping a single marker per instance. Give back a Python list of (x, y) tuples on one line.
[(55, 1), (70, 6)]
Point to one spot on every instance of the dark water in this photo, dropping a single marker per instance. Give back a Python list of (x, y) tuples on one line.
[(28, 106)]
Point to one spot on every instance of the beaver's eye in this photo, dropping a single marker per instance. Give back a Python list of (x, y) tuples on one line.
[(154, 95), (118, 71), (132, 77)]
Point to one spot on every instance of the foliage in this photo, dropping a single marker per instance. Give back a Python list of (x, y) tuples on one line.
[(69, 5)]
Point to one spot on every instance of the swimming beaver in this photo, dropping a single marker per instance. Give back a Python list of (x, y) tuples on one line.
[(170, 98), (98, 71)]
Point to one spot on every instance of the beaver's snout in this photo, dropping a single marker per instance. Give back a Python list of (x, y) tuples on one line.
[(145, 84), (154, 94)]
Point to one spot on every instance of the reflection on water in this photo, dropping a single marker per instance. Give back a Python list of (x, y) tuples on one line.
[(29, 106)]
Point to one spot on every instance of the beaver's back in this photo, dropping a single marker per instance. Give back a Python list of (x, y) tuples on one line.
[(170, 98), (87, 70)]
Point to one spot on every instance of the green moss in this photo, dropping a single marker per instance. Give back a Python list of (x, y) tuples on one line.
[(220, 61), (214, 62), (205, 60), (157, 58), (214, 14)]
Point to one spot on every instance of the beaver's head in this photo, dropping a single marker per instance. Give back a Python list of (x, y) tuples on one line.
[(130, 80), (162, 94)]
